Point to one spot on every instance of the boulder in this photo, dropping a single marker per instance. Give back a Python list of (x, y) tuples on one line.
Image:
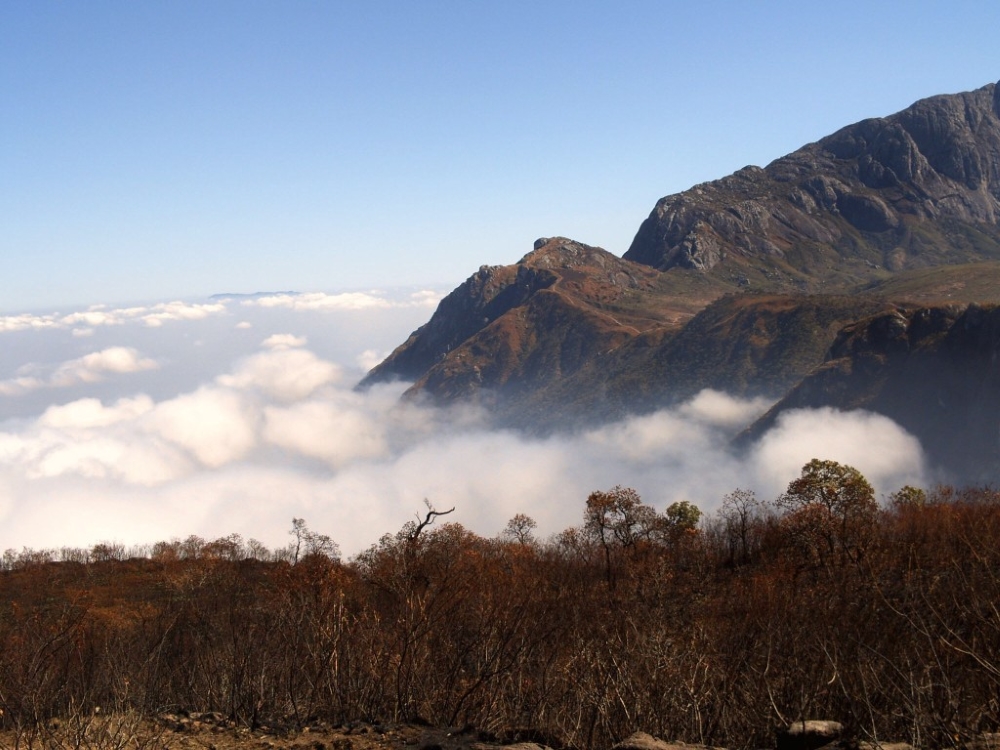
[(643, 741), (809, 734)]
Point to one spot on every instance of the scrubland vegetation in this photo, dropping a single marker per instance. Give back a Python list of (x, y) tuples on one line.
[(818, 604)]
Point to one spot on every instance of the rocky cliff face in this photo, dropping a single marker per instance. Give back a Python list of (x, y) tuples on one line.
[(916, 189), (934, 371)]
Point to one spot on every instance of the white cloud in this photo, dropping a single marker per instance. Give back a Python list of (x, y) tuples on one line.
[(284, 341), (884, 452), (215, 425), (165, 312), (642, 439), (90, 413), (26, 321), (426, 298), (344, 301), (234, 457), (369, 358), (151, 315), (20, 384), (321, 301), (89, 440), (81, 322), (331, 431), (91, 368), (96, 316), (106, 457), (283, 374), (721, 409)]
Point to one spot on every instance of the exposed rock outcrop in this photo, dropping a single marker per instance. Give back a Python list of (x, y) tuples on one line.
[(918, 188), (809, 734), (644, 741)]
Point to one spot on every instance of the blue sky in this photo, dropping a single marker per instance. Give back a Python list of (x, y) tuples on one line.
[(152, 150)]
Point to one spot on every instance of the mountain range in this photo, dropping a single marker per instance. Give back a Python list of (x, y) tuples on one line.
[(860, 271)]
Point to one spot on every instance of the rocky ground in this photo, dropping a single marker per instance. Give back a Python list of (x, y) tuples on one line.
[(211, 731)]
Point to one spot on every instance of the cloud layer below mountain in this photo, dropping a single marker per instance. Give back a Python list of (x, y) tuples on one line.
[(238, 415)]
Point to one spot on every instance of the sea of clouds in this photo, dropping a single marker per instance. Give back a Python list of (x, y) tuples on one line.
[(236, 414)]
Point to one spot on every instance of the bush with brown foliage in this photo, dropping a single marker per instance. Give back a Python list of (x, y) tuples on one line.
[(818, 604)]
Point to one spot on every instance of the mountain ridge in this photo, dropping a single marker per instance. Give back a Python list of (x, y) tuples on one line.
[(868, 196), (745, 284)]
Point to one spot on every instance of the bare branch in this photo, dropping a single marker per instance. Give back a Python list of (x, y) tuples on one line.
[(428, 520)]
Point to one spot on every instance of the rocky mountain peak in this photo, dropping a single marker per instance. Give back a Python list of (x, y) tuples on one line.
[(559, 252), (851, 206), (560, 286)]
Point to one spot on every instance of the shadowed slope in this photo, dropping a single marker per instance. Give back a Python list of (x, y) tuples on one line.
[(934, 371)]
